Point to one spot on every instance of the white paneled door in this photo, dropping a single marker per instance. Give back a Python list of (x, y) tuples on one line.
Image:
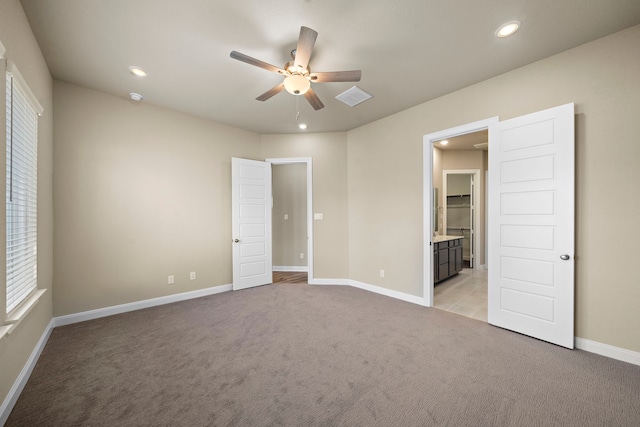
[(251, 223), (531, 225)]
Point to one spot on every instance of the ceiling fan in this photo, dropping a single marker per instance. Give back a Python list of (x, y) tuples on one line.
[(297, 74)]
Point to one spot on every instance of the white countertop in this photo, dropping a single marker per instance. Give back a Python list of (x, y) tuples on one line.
[(438, 239)]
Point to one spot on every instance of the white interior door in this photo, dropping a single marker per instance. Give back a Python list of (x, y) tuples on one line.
[(531, 225), (251, 223)]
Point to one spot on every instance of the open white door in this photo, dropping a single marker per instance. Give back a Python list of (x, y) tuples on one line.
[(531, 225), (251, 223)]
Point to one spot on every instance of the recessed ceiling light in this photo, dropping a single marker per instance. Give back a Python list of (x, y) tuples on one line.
[(135, 96), (137, 71), (302, 126), (444, 142), (508, 28)]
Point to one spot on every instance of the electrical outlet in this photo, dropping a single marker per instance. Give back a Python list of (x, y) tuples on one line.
[(301, 255), (381, 273), (171, 280), (192, 275), (286, 217)]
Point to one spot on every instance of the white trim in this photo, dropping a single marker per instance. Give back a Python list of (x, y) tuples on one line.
[(607, 350), (14, 318), (13, 70), (329, 282), (300, 268), (21, 381), (427, 185), (387, 292), (3, 51), (138, 305), (23, 309), (309, 163), (19, 314)]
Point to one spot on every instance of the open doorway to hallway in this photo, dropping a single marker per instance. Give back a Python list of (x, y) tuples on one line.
[(292, 225)]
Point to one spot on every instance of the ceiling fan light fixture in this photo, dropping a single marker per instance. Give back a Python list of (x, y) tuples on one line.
[(297, 84)]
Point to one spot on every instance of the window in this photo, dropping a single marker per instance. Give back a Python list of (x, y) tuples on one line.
[(21, 191)]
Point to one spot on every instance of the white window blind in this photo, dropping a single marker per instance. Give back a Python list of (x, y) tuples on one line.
[(21, 194)]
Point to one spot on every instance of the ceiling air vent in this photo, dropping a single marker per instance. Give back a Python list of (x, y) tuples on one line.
[(353, 96)]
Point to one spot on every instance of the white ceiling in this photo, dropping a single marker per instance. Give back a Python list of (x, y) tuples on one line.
[(409, 51)]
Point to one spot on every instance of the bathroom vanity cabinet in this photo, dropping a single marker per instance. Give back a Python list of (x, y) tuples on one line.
[(447, 257)]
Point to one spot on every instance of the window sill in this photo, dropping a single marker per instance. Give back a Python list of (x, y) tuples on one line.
[(14, 318)]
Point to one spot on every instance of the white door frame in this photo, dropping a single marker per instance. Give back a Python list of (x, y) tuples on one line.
[(476, 212), (427, 185), (308, 161)]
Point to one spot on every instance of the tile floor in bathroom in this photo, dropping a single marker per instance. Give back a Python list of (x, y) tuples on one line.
[(465, 294)]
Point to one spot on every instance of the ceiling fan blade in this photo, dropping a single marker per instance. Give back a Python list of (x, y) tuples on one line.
[(253, 61), (336, 76), (313, 99), (273, 91), (305, 45)]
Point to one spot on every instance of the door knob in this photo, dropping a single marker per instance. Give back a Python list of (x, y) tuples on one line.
[(564, 257), (236, 240)]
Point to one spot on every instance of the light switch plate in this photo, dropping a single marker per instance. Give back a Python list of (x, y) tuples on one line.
[(318, 216)]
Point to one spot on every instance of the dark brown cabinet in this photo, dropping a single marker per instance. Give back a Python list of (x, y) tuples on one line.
[(447, 259)]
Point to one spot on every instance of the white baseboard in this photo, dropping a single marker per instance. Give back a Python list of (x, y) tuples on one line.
[(21, 381), (301, 268), (329, 282), (388, 292), (138, 305), (608, 351)]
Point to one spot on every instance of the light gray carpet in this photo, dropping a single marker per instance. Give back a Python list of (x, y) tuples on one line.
[(300, 355)]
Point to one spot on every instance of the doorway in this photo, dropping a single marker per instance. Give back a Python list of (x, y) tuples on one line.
[(462, 207), (530, 218), (459, 164), (434, 164), (292, 224)]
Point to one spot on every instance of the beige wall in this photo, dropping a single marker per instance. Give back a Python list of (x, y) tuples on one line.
[(290, 199), (329, 154), (385, 184), (22, 50), (141, 193)]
